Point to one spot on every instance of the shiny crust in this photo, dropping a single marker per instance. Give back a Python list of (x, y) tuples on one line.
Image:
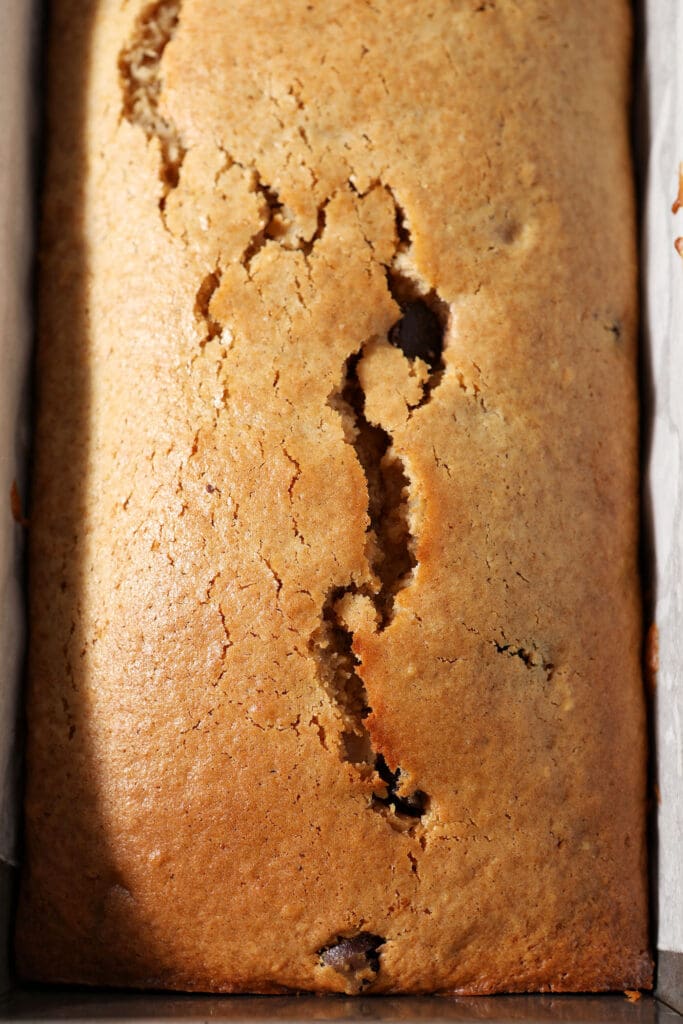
[(220, 238)]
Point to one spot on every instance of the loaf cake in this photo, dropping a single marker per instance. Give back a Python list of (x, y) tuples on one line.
[(334, 674)]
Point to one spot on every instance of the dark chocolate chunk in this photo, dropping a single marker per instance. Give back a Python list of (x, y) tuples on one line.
[(353, 955), (419, 334)]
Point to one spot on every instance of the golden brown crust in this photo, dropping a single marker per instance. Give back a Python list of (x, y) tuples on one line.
[(236, 218)]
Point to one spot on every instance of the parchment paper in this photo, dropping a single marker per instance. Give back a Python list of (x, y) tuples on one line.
[(663, 316), (663, 295)]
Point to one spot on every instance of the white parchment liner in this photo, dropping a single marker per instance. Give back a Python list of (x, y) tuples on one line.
[(663, 294), (663, 323)]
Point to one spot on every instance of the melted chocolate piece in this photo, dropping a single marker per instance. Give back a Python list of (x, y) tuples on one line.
[(353, 955)]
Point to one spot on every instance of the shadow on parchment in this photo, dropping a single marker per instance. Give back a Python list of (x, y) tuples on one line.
[(641, 145)]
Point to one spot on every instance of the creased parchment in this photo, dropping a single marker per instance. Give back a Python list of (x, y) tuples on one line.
[(663, 322)]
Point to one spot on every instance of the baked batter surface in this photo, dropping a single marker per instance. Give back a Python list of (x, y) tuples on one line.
[(335, 661)]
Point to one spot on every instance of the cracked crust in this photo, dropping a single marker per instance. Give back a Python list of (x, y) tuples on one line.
[(335, 658)]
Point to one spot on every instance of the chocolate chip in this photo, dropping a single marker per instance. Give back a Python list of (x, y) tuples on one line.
[(210, 488), (353, 955), (419, 334)]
